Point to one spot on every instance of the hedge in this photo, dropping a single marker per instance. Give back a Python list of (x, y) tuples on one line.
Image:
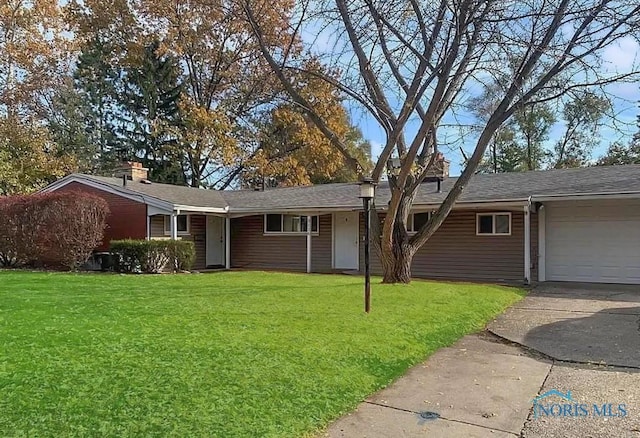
[(152, 256), (59, 229)]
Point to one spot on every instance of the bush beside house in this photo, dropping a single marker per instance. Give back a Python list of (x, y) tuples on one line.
[(152, 256), (58, 229)]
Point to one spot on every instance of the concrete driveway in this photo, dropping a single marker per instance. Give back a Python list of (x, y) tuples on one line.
[(592, 334), (581, 342), (577, 323)]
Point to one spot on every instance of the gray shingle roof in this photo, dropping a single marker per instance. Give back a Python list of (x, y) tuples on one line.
[(177, 195), (481, 188)]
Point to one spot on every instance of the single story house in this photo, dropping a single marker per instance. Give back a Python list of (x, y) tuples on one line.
[(558, 225)]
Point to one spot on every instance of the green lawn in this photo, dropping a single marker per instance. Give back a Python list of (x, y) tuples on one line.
[(227, 354)]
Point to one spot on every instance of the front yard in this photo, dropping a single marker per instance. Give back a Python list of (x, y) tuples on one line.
[(229, 354)]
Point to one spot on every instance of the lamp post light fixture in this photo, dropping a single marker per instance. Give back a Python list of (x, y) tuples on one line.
[(367, 193)]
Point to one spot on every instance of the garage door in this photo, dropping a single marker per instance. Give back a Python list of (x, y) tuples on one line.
[(595, 241)]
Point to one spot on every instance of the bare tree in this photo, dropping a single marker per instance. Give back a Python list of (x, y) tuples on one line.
[(410, 63)]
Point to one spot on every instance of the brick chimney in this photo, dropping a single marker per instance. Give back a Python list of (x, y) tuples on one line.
[(133, 170), (439, 170)]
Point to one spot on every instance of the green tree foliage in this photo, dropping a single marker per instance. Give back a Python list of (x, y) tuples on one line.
[(70, 125), (619, 153), (519, 144), (582, 116), (523, 142), (96, 80), (534, 123), (151, 111), (28, 158)]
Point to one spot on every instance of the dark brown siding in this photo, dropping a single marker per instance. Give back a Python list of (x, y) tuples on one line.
[(197, 233), (127, 218), (455, 252), (250, 248)]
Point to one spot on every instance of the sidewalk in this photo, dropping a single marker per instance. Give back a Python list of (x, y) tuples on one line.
[(484, 385), (479, 387)]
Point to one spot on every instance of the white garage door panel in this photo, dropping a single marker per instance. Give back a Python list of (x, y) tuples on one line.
[(593, 241)]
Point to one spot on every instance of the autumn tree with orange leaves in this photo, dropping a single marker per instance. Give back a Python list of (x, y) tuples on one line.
[(34, 59)]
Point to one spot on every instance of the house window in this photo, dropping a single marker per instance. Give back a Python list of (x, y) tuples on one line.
[(183, 224), (415, 221), (289, 224), (491, 224)]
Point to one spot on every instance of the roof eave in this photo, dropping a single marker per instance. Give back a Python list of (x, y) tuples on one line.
[(586, 196), (192, 208)]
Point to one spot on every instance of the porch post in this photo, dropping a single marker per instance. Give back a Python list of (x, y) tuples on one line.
[(309, 227), (227, 242), (527, 245), (174, 225), (542, 262), (148, 226)]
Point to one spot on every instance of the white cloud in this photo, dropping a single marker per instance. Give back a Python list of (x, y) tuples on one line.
[(622, 55)]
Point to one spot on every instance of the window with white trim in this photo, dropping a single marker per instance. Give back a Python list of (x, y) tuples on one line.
[(288, 224), (415, 221), (493, 224), (183, 224)]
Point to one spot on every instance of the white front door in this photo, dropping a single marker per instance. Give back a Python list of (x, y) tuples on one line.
[(215, 241), (345, 240)]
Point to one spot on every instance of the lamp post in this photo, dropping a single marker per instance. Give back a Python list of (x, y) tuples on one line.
[(367, 192)]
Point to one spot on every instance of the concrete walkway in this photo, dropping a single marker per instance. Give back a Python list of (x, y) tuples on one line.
[(484, 385)]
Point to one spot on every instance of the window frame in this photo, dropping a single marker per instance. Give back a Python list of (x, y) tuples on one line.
[(265, 232), (411, 220), (167, 225), (493, 214)]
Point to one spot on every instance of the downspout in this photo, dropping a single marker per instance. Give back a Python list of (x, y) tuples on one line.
[(527, 242), (309, 230), (227, 241)]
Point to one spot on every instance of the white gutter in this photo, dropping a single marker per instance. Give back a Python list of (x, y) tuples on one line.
[(587, 196), (220, 210), (238, 212)]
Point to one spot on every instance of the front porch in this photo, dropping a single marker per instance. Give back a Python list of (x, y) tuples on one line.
[(209, 233)]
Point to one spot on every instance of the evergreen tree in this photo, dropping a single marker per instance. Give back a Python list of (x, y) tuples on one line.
[(70, 130), (152, 117), (96, 81)]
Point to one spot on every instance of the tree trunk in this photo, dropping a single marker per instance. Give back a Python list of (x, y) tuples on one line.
[(396, 260), (398, 268)]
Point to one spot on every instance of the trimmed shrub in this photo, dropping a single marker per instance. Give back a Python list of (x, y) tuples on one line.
[(128, 254), (183, 254), (152, 256), (59, 229), (156, 258)]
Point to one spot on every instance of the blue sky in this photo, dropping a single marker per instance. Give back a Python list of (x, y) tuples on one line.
[(617, 58)]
